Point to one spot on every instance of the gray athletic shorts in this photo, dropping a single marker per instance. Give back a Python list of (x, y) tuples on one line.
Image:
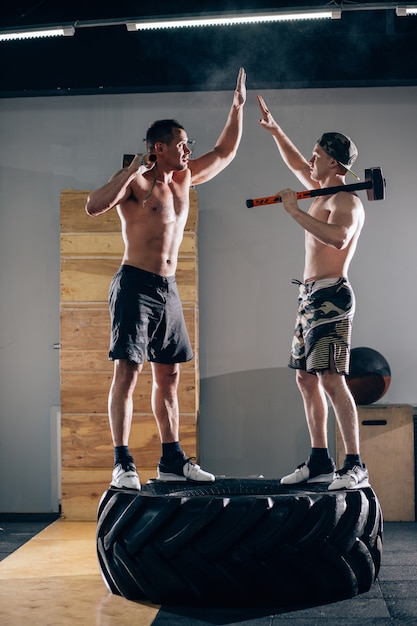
[(324, 325), (147, 320)]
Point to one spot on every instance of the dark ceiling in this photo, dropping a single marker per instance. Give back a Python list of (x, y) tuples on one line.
[(369, 47)]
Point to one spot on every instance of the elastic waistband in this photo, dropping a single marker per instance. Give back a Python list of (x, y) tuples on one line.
[(310, 287), (145, 276), (321, 282)]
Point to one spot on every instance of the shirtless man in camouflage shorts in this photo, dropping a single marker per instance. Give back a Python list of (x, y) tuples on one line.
[(321, 343)]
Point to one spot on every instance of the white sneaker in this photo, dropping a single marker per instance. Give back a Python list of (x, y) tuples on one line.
[(311, 472), (125, 477), (182, 470), (353, 478)]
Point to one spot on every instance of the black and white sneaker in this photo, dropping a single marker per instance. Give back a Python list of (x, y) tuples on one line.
[(350, 478), (125, 476), (183, 469), (311, 472)]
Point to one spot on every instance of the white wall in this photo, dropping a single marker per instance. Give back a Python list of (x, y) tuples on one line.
[(247, 259)]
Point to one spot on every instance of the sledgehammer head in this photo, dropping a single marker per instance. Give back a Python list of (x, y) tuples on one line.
[(147, 159), (376, 189)]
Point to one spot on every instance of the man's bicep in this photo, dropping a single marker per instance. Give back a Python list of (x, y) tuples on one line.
[(204, 168), (344, 210)]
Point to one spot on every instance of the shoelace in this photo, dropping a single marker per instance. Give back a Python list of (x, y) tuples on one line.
[(301, 465), (128, 467), (345, 470)]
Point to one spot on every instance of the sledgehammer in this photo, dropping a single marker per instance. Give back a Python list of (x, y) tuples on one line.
[(374, 184)]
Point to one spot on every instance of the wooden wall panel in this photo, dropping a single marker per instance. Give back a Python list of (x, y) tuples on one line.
[(81, 446), (88, 280), (87, 329), (82, 490), (101, 245), (74, 219), (91, 251), (81, 391), (85, 339)]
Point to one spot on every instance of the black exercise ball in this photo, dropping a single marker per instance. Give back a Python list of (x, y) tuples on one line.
[(369, 376)]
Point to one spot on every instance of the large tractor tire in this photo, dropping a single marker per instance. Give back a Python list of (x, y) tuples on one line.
[(238, 542)]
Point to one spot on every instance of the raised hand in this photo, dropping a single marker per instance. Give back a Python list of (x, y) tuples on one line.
[(267, 121), (240, 91)]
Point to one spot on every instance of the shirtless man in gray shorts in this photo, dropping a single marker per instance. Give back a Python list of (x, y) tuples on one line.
[(321, 343), (152, 201)]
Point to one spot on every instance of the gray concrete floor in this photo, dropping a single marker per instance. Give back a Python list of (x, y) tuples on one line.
[(16, 529)]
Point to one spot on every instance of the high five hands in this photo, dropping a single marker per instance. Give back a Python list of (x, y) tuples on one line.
[(240, 91), (267, 121), (288, 196)]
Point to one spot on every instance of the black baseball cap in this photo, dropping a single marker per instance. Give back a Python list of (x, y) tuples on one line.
[(341, 148)]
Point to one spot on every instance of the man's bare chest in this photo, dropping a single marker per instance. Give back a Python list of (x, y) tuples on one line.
[(167, 200), (320, 209)]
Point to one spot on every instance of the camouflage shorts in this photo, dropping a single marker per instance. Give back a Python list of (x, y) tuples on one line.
[(324, 325)]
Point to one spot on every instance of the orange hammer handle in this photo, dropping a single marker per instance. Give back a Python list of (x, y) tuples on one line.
[(310, 193)]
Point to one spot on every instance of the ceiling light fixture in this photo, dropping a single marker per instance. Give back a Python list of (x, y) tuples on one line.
[(134, 24), (232, 20), (65, 31), (407, 10)]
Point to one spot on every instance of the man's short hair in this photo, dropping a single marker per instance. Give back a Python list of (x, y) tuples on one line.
[(161, 130)]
